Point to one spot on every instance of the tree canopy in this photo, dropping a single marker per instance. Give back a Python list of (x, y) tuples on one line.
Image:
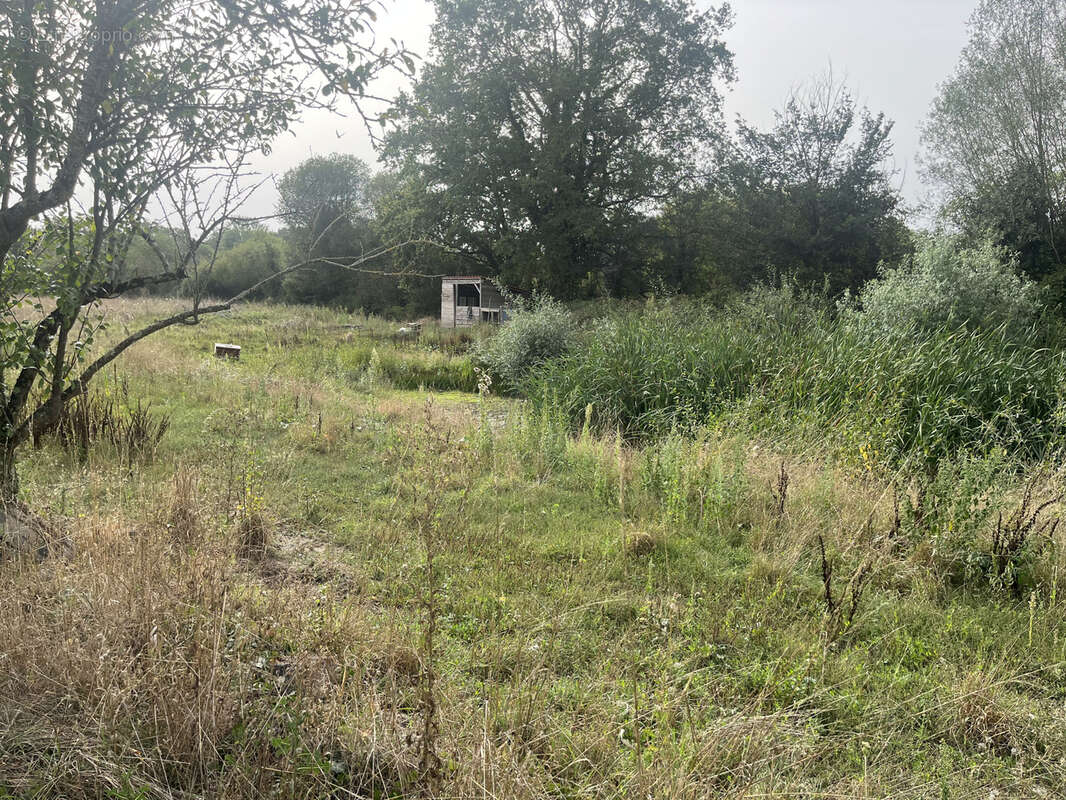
[(335, 210), (542, 131), (996, 135), (811, 198)]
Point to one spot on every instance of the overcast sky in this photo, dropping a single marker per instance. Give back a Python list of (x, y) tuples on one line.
[(893, 54)]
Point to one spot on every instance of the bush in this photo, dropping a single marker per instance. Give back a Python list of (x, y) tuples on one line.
[(538, 331), (950, 286), (250, 262)]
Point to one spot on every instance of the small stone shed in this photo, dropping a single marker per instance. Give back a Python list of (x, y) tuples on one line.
[(470, 299)]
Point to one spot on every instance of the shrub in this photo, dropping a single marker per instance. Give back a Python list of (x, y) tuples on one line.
[(948, 285), (537, 332), (247, 264)]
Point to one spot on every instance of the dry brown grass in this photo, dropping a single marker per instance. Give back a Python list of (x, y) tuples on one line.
[(146, 664), (184, 515), (641, 543)]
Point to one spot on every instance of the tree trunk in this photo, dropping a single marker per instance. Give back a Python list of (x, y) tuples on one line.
[(9, 482)]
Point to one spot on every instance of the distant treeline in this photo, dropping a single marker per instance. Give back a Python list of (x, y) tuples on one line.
[(585, 155), (331, 212)]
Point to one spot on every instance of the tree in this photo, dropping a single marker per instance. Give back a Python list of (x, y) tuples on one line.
[(810, 197), (137, 107), (329, 205), (399, 216), (996, 135), (543, 131), (324, 203), (949, 284), (251, 261), (323, 190)]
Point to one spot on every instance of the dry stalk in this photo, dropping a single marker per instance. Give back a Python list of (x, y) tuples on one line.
[(1025, 529), (840, 609), (779, 491)]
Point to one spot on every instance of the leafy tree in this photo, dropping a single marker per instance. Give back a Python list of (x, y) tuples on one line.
[(699, 250), (140, 107), (809, 198), (324, 202), (541, 132), (250, 261), (334, 208), (996, 135), (143, 257), (324, 190), (400, 216)]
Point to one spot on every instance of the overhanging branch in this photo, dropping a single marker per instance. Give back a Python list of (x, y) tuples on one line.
[(46, 415)]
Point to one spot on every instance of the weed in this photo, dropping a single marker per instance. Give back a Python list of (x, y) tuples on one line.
[(980, 718), (641, 543), (433, 512), (840, 608), (184, 518), (540, 440), (696, 482), (1018, 539), (129, 426), (374, 376), (779, 491), (253, 534), (577, 608)]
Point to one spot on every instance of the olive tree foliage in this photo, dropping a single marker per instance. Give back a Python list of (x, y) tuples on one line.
[(114, 110), (542, 132), (996, 134)]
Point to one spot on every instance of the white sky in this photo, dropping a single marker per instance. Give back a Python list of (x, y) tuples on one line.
[(893, 54)]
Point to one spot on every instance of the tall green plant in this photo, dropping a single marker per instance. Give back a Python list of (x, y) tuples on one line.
[(887, 398), (538, 331)]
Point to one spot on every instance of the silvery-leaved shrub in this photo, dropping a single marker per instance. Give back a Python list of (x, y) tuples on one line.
[(537, 331), (949, 285)]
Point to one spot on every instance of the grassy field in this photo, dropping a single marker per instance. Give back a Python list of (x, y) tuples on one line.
[(342, 572)]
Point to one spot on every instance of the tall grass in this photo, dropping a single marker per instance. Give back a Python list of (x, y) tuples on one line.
[(458, 600), (921, 398), (407, 368), (648, 373), (779, 364)]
